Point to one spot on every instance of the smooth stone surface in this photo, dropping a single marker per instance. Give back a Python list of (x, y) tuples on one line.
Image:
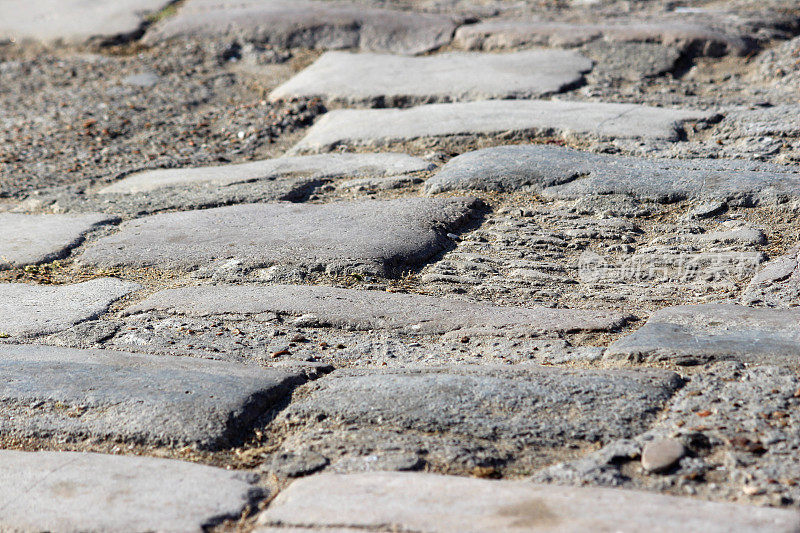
[(390, 80), (366, 310), (508, 168), (33, 239), (694, 38), (75, 21), (699, 333), (28, 310), (565, 173), (532, 405), (72, 491), (777, 284), (378, 127), (433, 503), (52, 391), (661, 455), (383, 237), (315, 166), (308, 24)]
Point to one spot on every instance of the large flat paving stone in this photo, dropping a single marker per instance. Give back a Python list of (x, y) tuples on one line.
[(381, 79), (433, 503), (565, 173), (33, 239), (379, 127), (366, 310), (375, 236), (532, 405), (314, 166), (50, 391), (76, 21), (71, 491), (308, 24), (688, 37), (280, 179), (29, 310), (699, 333)]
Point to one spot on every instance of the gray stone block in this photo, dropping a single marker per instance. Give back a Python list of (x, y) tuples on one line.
[(366, 310), (531, 406), (308, 24), (436, 504), (565, 173), (379, 127), (51, 391), (70, 491), (75, 21), (33, 239), (687, 37), (325, 166), (699, 333), (383, 237), (29, 310), (390, 80)]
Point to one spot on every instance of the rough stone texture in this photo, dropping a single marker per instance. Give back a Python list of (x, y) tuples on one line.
[(378, 127), (376, 236), (692, 38), (565, 173), (68, 491), (777, 283), (366, 310), (387, 80), (75, 21), (433, 503), (738, 425), (34, 239), (325, 166), (29, 310), (699, 333), (526, 405), (308, 24), (53, 391)]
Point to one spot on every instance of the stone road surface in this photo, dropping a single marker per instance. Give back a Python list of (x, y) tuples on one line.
[(400, 265)]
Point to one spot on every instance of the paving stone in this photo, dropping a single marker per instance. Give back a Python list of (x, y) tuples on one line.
[(291, 179), (629, 61), (508, 168), (435, 503), (33, 239), (388, 80), (76, 21), (777, 283), (71, 491), (53, 391), (565, 173), (308, 24), (367, 310), (687, 37), (698, 333), (314, 166), (661, 455), (29, 310), (374, 236), (378, 127), (492, 403)]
